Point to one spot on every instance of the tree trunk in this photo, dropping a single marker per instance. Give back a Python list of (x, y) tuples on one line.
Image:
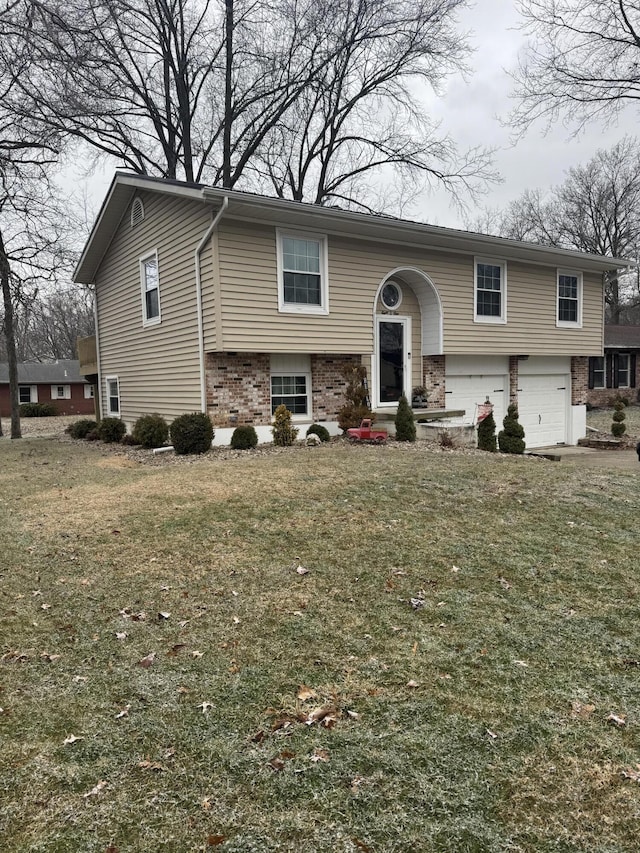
[(9, 332)]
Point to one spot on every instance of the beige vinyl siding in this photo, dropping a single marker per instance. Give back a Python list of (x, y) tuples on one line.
[(157, 366), (250, 320)]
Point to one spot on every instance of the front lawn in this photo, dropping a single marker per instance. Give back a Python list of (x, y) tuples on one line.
[(456, 671)]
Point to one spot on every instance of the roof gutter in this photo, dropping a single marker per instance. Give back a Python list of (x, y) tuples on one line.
[(199, 249)]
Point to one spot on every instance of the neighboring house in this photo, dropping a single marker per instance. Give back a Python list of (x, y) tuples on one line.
[(232, 303), (55, 382), (616, 372)]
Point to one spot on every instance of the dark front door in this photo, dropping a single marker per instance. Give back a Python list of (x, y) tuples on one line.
[(391, 360)]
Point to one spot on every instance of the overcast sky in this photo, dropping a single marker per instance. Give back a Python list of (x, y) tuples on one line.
[(470, 111)]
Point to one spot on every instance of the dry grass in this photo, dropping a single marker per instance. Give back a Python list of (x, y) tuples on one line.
[(473, 721)]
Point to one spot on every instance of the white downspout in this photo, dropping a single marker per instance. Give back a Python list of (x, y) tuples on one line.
[(198, 252), (100, 407)]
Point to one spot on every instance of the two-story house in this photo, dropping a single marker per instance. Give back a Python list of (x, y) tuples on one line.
[(232, 303)]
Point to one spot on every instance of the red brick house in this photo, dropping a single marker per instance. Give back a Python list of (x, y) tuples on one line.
[(57, 382), (615, 372)]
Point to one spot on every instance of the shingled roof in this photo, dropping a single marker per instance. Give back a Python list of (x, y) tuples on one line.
[(62, 372), (622, 337)]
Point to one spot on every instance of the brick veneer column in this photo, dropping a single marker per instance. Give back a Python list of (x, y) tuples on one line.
[(579, 379), (328, 384), (513, 379), (238, 389), (433, 378)]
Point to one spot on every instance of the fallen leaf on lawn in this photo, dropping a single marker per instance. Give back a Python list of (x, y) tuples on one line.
[(50, 658), (504, 583), (258, 737), (362, 846), (124, 712), (455, 568), (121, 635), (631, 773), (353, 714), (326, 716), (163, 615), (319, 754), (147, 661), (520, 663), (214, 840), (96, 789), (177, 647), (139, 617), (150, 765), (615, 720), (197, 654), (356, 782), (182, 690), (298, 613), (305, 693), (299, 568), (491, 734), (580, 711), (413, 684), (276, 763), (236, 621), (206, 706), (70, 739), (80, 679), (45, 606)]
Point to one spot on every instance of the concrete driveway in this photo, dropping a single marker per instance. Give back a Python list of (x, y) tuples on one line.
[(591, 457)]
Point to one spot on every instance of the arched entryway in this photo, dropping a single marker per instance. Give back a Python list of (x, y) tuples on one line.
[(407, 317)]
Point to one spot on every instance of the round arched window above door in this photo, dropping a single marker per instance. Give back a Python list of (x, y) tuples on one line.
[(391, 295)]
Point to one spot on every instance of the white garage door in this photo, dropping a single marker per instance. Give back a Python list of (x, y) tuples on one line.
[(465, 392), (543, 403)]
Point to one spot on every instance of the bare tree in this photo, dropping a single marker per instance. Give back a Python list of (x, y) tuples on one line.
[(582, 60), (305, 96), (596, 209)]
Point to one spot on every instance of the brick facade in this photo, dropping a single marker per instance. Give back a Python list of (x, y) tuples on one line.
[(513, 379), (328, 384), (433, 379), (238, 389), (579, 380)]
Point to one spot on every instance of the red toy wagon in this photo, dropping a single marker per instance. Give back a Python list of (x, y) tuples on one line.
[(366, 433)]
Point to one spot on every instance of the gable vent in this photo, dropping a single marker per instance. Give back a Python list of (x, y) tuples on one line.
[(137, 211)]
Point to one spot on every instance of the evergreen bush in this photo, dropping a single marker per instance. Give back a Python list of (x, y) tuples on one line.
[(244, 438), (191, 433), (487, 434), (355, 392), (618, 427), (80, 429), (38, 410), (405, 424), (150, 431), (511, 437), (319, 430), (111, 430), (284, 433)]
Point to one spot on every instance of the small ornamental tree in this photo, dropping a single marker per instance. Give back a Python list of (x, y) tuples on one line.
[(356, 407), (618, 427), (405, 424), (487, 434), (284, 433), (191, 433), (511, 437)]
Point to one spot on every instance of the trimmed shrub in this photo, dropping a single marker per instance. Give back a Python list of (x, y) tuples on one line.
[(244, 438), (618, 427), (94, 435), (405, 424), (111, 430), (322, 432), (487, 434), (80, 429), (38, 410), (284, 433), (356, 407), (129, 441), (191, 433), (150, 431), (511, 437)]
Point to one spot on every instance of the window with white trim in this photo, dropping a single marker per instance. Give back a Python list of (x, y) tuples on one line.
[(150, 283), (113, 396), (597, 372), (61, 392), (569, 305), (622, 372), (490, 283), (27, 394), (302, 273), (88, 392), (291, 384)]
